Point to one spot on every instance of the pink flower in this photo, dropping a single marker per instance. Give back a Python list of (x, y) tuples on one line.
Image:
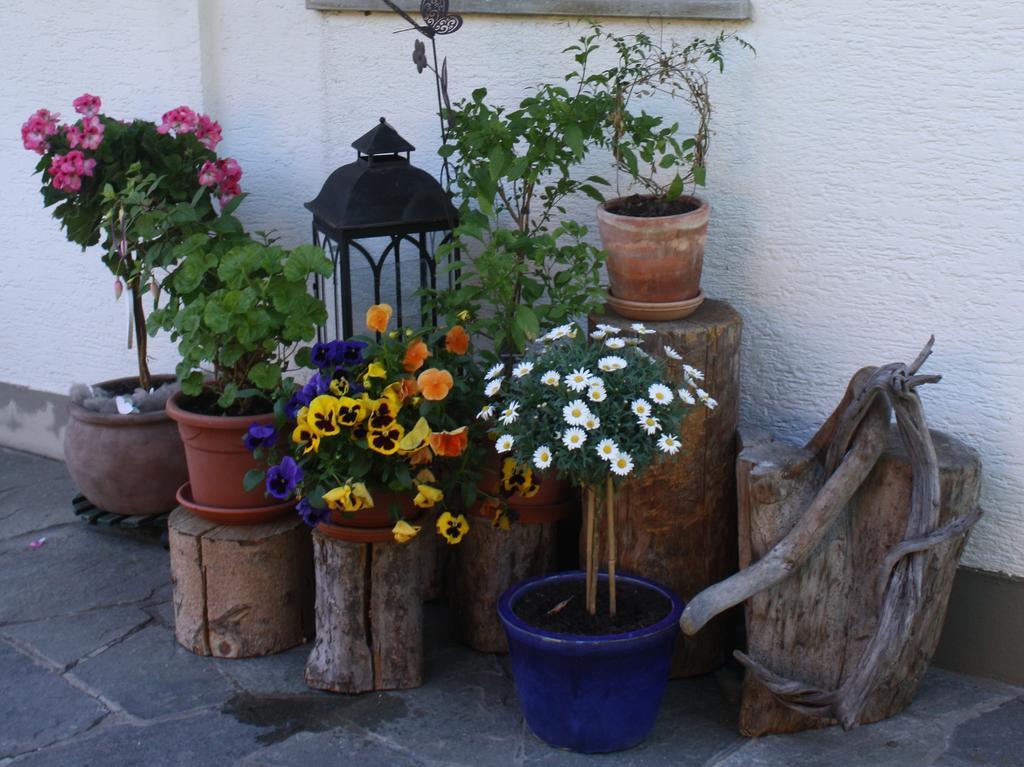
[(210, 174), (208, 132), (179, 120), (67, 170), (223, 174), (37, 129), (73, 135), (92, 133), (87, 105)]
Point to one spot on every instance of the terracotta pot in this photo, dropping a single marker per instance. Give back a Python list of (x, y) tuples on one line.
[(125, 464), (555, 499), (371, 525), (217, 459), (654, 260)]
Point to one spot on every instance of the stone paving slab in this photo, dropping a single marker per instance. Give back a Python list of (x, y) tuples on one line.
[(90, 675)]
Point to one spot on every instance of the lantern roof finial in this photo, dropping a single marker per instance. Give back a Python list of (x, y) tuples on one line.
[(382, 139)]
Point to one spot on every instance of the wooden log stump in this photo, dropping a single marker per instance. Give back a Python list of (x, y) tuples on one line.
[(240, 591), (677, 523), (815, 625), (369, 615), (487, 562)]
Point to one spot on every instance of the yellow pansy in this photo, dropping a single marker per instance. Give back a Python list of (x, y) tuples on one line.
[(385, 441), (383, 414), (427, 496), (404, 532), (339, 387), (374, 370), (351, 411), (416, 438), (501, 519), (322, 418), (351, 497), (452, 528)]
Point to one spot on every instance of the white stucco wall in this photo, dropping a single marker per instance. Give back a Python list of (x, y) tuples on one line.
[(865, 183)]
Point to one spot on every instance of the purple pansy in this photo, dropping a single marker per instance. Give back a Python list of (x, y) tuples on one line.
[(311, 516), (282, 479), (259, 436), (337, 354)]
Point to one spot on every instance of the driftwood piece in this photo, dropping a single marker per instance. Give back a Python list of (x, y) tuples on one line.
[(486, 563), (849, 552), (240, 591), (676, 524), (369, 615)]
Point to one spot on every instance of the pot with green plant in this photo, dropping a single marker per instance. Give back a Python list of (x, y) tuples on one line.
[(655, 238), (238, 308), (133, 189), (591, 652)]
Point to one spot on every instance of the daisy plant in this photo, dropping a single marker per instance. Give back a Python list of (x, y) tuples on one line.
[(382, 415), (596, 409)]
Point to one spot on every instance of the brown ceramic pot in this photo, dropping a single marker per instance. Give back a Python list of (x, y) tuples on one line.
[(654, 260), (217, 459), (125, 464), (371, 525)]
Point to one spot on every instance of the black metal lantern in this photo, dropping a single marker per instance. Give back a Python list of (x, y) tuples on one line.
[(375, 206)]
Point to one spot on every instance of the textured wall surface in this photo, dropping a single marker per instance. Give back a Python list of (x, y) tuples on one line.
[(864, 179)]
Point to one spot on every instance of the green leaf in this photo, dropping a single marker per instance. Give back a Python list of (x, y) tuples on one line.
[(527, 322), (675, 188), (699, 175), (265, 376), (253, 479), (304, 261), (667, 161), (574, 139)]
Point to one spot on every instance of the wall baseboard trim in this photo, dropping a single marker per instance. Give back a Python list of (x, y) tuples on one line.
[(984, 630), (33, 421)]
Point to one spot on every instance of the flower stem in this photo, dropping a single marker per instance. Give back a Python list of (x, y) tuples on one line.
[(610, 494), (591, 569), (139, 324)]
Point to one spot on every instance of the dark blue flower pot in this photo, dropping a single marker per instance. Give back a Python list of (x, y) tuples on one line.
[(590, 694)]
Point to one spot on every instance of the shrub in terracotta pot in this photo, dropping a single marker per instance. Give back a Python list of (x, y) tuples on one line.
[(132, 188), (238, 307), (591, 652), (655, 239), (381, 434)]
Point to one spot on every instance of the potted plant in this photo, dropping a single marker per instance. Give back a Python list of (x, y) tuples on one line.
[(596, 411), (380, 434), (131, 188), (655, 239), (238, 307)]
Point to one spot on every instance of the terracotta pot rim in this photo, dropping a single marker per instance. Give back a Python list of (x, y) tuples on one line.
[(356, 534), (226, 515), (117, 420), (703, 209), (189, 418), (539, 514)]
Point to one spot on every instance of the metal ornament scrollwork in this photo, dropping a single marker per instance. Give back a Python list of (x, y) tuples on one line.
[(436, 18)]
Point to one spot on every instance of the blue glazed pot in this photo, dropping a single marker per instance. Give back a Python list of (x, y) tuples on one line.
[(590, 694)]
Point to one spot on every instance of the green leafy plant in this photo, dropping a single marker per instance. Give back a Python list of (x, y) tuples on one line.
[(240, 306)]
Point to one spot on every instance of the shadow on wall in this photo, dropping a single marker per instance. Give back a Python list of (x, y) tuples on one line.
[(33, 421)]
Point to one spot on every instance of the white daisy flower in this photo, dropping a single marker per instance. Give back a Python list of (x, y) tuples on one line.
[(494, 372), (669, 444), (493, 387), (612, 330), (641, 408), (686, 397), (639, 327), (578, 380), (542, 457), (576, 412), (504, 443), (672, 354), (522, 369), (692, 372), (611, 363), (701, 394), (597, 393), (551, 378), (649, 424), (710, 403), (562, 331), (660, 394), (574, 438), (598, 335), (510, 413), (622, 464), (592, 422), (486, 413), (607, 449), (614, 343)]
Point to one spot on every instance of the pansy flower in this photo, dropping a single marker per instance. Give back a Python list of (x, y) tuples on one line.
[(259, 435), (323, 416), (385, 441), (351, 411), (282, 479), (311, 515), (427, 497), (452, 528), (404, 532)]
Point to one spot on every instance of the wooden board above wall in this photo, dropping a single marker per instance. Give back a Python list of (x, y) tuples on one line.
[(667, 9)]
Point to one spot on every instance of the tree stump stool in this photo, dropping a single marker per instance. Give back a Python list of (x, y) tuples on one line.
[(677, 523), (240, 591), (369, 614), (487, 562)]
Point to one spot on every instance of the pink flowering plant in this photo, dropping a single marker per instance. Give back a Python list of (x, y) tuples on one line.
[(136, 188)]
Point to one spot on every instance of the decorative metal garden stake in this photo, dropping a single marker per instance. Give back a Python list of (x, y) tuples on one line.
[(380, 195)]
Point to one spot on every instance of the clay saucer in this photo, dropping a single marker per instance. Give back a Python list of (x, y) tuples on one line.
[(226, 516), (356, 534), (641, 310)]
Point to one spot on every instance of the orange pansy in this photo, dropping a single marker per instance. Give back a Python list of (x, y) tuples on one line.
[(421, 456), (435, 384), (449, 444), (457, 340), (415, 356), (377, 317), (409, 388)]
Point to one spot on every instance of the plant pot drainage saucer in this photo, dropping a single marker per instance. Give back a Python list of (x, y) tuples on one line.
[(356, 534), (251, 515), (642, 310)]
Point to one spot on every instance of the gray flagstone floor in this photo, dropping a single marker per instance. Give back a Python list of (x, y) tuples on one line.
[(90, 675)]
